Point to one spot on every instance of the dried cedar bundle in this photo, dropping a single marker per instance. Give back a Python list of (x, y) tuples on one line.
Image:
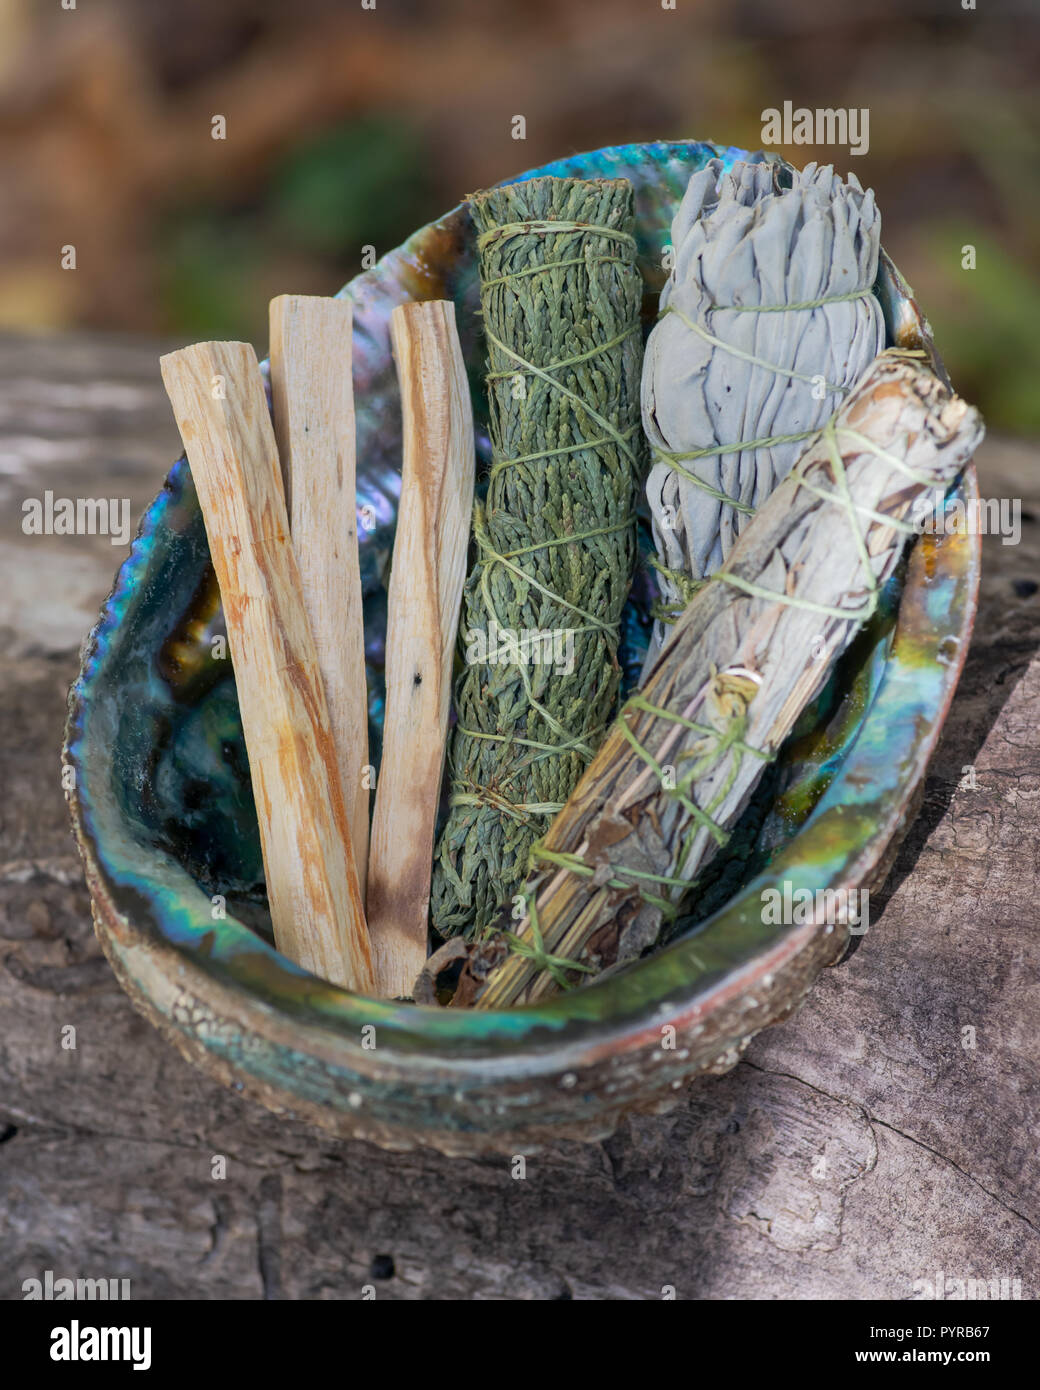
[(560, 296)]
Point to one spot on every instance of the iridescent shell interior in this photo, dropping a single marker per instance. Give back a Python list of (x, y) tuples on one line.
[(163, 807)]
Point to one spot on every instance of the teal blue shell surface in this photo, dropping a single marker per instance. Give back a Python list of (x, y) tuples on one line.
[(163, 811)]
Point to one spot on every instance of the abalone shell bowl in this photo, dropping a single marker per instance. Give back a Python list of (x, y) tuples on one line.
[(163, 812)]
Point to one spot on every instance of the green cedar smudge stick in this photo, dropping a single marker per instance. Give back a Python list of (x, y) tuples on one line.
[(555, 535)]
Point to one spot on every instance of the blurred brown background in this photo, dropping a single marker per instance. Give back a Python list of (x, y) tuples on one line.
[(348, 126)]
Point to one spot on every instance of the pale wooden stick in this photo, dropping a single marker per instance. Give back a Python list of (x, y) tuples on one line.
[(313, 398), (429, 567), (316, 909)]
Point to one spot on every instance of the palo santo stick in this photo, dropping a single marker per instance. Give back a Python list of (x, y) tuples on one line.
[(221, 411), (313, 399), (426, 578)]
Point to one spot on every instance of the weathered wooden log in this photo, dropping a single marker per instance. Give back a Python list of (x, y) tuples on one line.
[(798, 1173)]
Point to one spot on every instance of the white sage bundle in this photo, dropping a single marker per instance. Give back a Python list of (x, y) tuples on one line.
[(767, 321), (745, 658)]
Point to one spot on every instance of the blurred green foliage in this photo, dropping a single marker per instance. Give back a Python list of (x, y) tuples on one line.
[(987, 324), (356, 183), (330, 194), (209, 266)]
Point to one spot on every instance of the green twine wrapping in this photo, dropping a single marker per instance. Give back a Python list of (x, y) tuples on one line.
[(560, 296)]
